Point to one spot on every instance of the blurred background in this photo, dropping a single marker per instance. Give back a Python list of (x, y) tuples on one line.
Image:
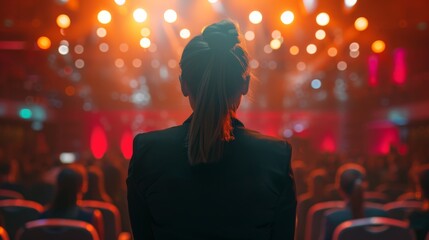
[(342, 80)]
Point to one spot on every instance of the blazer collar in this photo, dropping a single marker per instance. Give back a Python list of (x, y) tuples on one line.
[(235, 121)]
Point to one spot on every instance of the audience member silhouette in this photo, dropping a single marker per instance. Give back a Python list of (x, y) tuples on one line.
[(7, 176), (96, 190), (419, 220), (350, 181)]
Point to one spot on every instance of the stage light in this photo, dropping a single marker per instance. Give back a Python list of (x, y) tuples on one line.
[(43, 42), (354, 46), (170, 16), (361, 24), (78, 49), (322, 19), (311, 49), (255, 17), (287, 17), (310, 5), (294, 50), (101, 32), (332, 52), (104, 17), (316, 84), (63, 21), (145, 42), (320, 34), (249, 35), (378, 46), (354, 54), (104, 47), (120, 2), (145, 32), (275, 44), (350, 3), (25, 113), (79, 63), (185, 33), (63, 49), (341, 65), (140, 15), (276, 34)]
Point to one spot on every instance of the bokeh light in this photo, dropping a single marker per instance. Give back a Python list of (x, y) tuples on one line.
[(350, 3), (145, 32), (341, 65), (332, 52), (185, 33), (316, 84), (104, 17), (255, 17), (120, 2), (249, 35), (140, 15), (104, 47), (361, 24), (119, 63), (354, 54), (320, 34), (301, 66), (294, 50), (101, 32), (63, 21), (276, 34), (79, 63), (170, 16), (78, 49), (311, 49), (354, 46), (287, 17), (137, 62), (322, 19), (43, 42), (275, 44), (378, 46), (63, 49), (145, 42)]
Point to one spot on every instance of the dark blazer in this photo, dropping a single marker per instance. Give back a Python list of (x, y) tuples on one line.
[(248, 194), (419, 222), (335, 217)]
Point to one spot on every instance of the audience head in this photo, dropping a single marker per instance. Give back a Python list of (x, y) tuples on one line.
[(424, 181), (214, 75), (96, 189), (350, 182), (317, 181), (71, 184)]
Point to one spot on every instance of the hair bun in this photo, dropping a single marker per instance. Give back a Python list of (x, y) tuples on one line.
[(222, 35)]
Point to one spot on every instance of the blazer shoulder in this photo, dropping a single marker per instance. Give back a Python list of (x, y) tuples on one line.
[(164, 134), (266, 141)]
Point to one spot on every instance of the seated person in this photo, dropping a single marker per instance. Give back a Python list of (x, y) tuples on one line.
[(7, 176), (419, 219), (71, 184), (350, 183), (96, 190)]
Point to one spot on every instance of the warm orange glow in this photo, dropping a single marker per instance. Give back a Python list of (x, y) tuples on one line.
[(322, 19), (185, 33), (311, 49), (332, 52), (361, 24), (145, 42), (378, 46), (70, 91), (275, 44), (249, 35), (43, 42), (287, 17), (320, 34), (170, 16), (104, 17), (140, 15), (101, 32), (145, 32), (255, 17), (294, 50), (63, 21)]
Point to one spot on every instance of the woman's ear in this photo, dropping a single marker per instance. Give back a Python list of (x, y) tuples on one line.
[(184, 87), (245, 87)]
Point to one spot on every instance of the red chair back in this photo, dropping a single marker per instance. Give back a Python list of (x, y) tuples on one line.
[(376, 197), (400, 209), (3, 234), (315, 218), (9, 194), (375, 228), (111, 217), (54, 228), (16, 212)]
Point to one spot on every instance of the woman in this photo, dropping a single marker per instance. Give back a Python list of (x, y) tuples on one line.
[(211, 178), (419, 220), (350, 181), (71, 184)]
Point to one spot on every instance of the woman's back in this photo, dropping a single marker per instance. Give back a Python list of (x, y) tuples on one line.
[(248, 194)]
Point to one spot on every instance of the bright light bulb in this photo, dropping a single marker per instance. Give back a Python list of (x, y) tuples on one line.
[(378, 46), (104, 17), (287, 17), (63, 21), (140, 15), (322, 19), (170, 16), (350, 3), (145, 42), (311, 49), (43, 42), (361, 24), (275, 44), (255, 17), (320, 34), (120, 2), (185, 33)]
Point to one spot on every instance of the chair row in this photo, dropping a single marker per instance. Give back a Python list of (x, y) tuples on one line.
[(15, 213)]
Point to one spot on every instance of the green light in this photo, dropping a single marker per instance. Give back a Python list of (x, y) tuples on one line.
[(25, 113)]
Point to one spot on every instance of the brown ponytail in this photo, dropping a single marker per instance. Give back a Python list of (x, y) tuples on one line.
[(357, 200), (214, 66), (350, 183)]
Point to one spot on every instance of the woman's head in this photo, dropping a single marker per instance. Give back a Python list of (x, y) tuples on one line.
[(71, 184), (350, 182), (214, 75)]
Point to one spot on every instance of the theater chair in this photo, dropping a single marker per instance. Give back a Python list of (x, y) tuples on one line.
[(376, 197), (16, 212), (3, 234), (400, 209), (315, 216), (9, 194), (111, 217), (374, 228), (55, 228), (408, 196)]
